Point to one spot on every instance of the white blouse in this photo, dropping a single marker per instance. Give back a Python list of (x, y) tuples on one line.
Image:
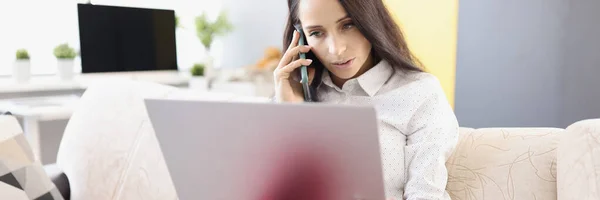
[(417, 127)]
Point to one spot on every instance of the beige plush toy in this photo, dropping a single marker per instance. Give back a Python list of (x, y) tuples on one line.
[(261, 73), (270, 60)]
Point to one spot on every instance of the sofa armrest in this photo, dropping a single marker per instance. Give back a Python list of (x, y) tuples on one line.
[(60, 180), (578, 161), (504, 163), (109, 149)]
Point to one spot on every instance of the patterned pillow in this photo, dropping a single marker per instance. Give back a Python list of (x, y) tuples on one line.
[(21, 175)]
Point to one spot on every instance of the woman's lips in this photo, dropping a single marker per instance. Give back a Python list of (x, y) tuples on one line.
[(344, 65)]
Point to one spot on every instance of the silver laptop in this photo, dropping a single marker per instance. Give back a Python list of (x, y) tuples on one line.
[(265, 151)]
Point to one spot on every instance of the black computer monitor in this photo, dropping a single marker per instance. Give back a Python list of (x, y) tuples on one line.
[(118, 39)]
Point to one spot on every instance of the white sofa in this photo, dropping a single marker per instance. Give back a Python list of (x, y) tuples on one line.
[(109, 151)]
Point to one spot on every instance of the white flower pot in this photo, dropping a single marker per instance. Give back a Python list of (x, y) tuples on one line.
[(66, 68), (209, 66), (21, 71), (199, 83)]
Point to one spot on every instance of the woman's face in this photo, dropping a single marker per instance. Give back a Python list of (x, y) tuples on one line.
[(334, 39)]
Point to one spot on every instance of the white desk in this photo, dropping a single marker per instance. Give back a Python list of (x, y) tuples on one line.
[(82, 81), (36, 109), (47, 98)]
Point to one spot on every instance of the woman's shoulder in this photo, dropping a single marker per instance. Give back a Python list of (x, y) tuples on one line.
[(423, 99), (422, 83), (424, 78)]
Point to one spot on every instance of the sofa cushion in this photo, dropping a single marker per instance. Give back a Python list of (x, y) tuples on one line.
[(21, 175), (579, 161), (504, 163)]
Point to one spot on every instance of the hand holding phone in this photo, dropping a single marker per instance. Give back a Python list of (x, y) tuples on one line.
[(286, 88)]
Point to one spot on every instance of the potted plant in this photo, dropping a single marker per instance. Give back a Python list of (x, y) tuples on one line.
[(178, 22), (65, 56), (198, 80), (22, 66), (207, 31)]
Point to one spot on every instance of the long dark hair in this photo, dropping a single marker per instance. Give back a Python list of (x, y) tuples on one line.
[(374, 21)]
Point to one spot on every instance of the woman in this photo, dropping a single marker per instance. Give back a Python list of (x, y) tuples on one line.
[(357, 55)]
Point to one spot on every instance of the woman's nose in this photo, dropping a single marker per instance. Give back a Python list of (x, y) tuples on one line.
[(337, 46)]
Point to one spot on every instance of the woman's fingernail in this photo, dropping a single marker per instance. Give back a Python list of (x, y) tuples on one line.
[(309, 61)]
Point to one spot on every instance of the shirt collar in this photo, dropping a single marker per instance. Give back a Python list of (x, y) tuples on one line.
[(370, 81)]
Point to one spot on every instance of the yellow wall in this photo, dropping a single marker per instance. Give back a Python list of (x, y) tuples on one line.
[(430, 28)]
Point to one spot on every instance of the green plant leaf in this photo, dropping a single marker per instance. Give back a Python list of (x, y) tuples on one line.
[(198, 69), (22, 54), (64, 51), (207, 30)]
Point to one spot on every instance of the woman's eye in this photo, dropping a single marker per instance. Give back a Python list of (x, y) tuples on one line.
[(315, 33), (348, 26)]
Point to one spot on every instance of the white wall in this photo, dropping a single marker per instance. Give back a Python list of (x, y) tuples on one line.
[(258, 24), (40, 25)]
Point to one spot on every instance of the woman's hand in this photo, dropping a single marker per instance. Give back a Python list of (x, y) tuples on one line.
[(287, 87)]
